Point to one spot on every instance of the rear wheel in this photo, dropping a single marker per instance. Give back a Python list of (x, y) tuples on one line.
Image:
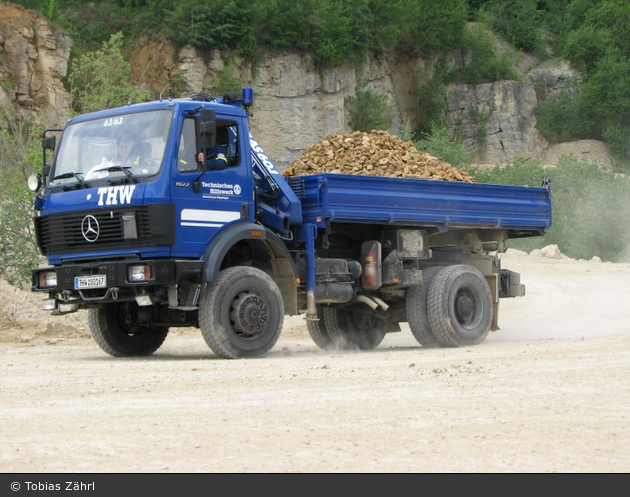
[(116, 328), (318, 332), (352, 329), (459, 306), (241, 313), (416, 306)]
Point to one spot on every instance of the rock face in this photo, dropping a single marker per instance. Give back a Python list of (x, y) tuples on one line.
[(373, 154), (295, 104), (33, 61)]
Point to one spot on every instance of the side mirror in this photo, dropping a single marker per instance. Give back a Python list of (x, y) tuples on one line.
[(49, 143), (207, 130)]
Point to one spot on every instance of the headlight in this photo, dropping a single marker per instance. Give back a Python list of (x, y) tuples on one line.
[(139, 272), (34, 182)]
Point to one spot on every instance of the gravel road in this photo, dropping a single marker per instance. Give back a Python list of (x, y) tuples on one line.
[(549, 392)]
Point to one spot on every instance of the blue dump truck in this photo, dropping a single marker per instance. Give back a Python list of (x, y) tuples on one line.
[(159, 237)]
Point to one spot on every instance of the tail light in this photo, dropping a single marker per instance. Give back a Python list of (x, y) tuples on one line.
[(371, 277)]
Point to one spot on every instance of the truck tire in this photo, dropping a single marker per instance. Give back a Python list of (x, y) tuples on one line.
[(318, 332), (459, 306), (416, 305), (241, 313), (115, 329), (353, 330)]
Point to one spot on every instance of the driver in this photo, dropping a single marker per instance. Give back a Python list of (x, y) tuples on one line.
[(125, 152)]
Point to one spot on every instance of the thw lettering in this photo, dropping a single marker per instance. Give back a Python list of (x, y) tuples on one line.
[(114, 195)]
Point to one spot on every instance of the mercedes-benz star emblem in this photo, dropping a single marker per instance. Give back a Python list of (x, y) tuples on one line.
[(90, 228)]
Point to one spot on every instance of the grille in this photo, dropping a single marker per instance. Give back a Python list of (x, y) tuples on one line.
[(61, 233)]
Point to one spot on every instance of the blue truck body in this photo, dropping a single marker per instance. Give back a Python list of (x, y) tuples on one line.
[(165, 241), (425, 203)]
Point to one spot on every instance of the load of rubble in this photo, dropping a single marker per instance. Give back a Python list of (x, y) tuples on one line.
[(373, 154)]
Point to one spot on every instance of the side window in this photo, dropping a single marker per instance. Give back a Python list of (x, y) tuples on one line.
[(186, 157), (225, 152)]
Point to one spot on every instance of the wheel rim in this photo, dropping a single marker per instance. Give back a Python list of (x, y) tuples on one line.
[(248, 314), (128, 319), (467, 308), (359, 321)]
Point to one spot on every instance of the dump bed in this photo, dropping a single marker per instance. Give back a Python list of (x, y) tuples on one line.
[(341, 198)]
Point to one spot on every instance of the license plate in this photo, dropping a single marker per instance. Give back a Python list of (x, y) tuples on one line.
[(96, 281)]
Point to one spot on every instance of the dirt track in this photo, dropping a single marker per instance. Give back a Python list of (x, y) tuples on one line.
[(549, 392)]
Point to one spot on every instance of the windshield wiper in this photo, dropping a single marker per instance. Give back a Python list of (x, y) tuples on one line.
[(124, 169), (77, 176)]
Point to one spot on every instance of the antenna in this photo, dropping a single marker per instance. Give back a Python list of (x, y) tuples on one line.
[(170, 84)]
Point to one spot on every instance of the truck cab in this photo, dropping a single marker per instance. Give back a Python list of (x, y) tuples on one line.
[(135, 239)]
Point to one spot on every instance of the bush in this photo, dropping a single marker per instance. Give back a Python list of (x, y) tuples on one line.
[(483, 65), (590, 206), (561, 119), (368, 111), (444, 145), (430, 95)]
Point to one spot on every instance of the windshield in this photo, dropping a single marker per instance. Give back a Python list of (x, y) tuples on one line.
[(128, 146)]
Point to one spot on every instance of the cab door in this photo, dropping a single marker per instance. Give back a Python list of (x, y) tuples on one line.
[(224, 196)]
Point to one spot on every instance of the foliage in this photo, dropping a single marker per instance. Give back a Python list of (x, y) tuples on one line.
[(21, 150), (368, 111), (102, 80), (225, 81), (594, 37), (590, 206), (286, 23), (431, 100), (519, 22), (443, 144), (340, 32), (482, 64), (560, 118), (432, 28), (208, 24), (605, 101)]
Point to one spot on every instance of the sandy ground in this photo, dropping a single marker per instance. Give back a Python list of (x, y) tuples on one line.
[(549, 392)]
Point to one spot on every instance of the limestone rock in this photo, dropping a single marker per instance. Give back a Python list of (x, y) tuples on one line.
[(378, 153)]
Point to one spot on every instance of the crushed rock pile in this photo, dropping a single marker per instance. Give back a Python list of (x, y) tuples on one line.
[(373, 154)]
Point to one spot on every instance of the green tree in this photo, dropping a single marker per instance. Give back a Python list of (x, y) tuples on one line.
[(21, 157), (433, 27), (518, 21), (209, 24), (340, 31), (605, 101), (102, 80), (286, 23)]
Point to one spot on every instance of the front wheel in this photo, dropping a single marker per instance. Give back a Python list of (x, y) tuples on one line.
[(116, 328), (459, 306), (241, 313)]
